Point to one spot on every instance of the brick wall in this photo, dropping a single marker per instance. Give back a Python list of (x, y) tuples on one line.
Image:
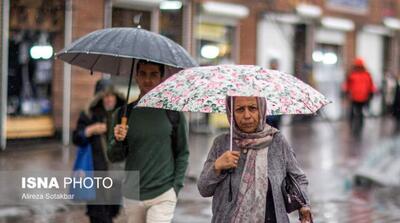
[(87, 16), (248, 38)]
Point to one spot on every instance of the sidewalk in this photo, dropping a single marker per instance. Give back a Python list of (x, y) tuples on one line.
[(326, 151)]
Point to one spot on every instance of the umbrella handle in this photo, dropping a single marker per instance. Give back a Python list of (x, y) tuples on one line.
[(124, 121)]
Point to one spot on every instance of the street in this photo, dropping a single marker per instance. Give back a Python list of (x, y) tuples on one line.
[(327, 152)]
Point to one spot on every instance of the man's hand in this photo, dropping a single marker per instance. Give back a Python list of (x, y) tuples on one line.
[(120, 132)]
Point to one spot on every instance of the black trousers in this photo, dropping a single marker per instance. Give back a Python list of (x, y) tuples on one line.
[(270, 216), (357, 117), (102, 213), (94, 219)]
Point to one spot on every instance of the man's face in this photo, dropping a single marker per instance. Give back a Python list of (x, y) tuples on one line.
[(148, 77)]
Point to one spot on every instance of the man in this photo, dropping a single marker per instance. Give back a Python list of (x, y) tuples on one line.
[(359, 88), (155, 144)]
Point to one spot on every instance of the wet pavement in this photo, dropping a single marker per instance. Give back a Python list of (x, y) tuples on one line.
[(326, 151)]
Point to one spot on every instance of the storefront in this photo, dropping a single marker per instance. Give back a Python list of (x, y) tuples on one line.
[(34, 29), (329, 62), (42, 96)]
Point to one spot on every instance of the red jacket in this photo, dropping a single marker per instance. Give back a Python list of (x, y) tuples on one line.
[(359, 86)]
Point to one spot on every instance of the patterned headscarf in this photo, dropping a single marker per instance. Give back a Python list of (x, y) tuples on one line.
[(252, 197)]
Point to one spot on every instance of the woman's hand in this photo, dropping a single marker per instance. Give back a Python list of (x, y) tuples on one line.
[(226, 161), (305, 215), (95, 129)]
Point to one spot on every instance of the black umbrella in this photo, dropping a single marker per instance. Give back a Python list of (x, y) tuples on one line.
[(117, 50)]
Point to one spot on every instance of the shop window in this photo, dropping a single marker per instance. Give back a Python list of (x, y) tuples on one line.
[(29, 73), (122, 17), (34, 26), (171, 24), (214, 44)]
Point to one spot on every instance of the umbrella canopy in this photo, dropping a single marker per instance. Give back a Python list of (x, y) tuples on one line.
[(204, 89), (117, 51), (112, 50)]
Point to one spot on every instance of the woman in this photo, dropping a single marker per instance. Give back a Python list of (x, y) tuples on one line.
[(260, 159), (92, 128)]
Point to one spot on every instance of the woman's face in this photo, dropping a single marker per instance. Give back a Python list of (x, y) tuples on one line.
[(109, 101), (246, 113)]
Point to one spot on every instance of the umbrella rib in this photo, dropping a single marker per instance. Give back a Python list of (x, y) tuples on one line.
[(74, 58), (119, 65), (95, 62)]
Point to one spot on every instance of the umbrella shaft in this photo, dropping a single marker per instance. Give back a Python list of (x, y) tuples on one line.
[(231, 128), (133, 70)]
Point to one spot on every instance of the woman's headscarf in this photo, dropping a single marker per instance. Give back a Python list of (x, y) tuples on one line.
[(252, 196), (264, 132)]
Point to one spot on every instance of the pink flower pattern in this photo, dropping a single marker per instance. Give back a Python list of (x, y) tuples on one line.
[(203, 89)]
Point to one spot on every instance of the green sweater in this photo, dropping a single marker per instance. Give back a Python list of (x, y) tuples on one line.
[(147, 149)]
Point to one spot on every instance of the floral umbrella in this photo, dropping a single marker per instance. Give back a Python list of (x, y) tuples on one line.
[(204, 89)]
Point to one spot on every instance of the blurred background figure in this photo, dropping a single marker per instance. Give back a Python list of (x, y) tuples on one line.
[(389, 90), (274, 64), (359, 89), (396, 103), (274, 120), (92, 127)]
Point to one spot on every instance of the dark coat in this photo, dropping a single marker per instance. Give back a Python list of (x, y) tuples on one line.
[(396, 102), (281, 159), (95, 112)]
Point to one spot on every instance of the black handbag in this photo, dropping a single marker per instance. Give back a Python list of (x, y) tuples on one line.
[(292, 195)]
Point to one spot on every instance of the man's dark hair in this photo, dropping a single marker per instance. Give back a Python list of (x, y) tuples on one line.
[(160, 66)]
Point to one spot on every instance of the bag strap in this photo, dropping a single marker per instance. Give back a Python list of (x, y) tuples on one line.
[(174, 118)]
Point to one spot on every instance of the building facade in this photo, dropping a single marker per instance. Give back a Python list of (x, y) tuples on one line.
[(313, 39)]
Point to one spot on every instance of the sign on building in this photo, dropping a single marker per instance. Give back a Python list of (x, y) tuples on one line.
[(352, 6)]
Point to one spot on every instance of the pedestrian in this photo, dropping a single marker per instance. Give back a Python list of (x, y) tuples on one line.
[(359, 88), (155, 144), (274, 120), (396, 103), (260, 159), (389, 90), (92, 128)]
